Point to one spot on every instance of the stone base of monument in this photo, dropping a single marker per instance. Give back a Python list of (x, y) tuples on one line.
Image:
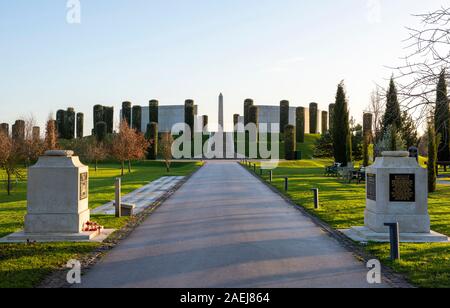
[(365, 235), (22, 237)]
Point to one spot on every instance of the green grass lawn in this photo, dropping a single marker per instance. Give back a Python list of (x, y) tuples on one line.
[(26, 265), (342, 206)]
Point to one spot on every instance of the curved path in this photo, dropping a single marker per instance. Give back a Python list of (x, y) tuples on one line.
[(224, 228)]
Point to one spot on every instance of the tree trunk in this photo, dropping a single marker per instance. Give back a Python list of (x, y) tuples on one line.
[(122, 166), (96, 163), (129, 166), (8, 188)]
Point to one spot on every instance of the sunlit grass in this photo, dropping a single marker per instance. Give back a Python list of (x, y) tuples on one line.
[(342, 206), (26, 265)]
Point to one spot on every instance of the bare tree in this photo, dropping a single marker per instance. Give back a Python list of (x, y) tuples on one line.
[(376, 108), (32, 146), (9, 160), (165, 149), (428, 54), (128, 145), (95, 152)]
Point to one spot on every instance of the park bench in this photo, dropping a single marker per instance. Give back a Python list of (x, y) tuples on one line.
[(345, 173), (358, 175), (332, 170)]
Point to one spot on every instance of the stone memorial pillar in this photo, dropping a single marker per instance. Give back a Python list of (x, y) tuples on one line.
[(397, 192), (57, 200)]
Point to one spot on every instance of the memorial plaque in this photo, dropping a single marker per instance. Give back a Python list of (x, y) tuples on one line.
[(402, 187), (372, 187), (83, 186)]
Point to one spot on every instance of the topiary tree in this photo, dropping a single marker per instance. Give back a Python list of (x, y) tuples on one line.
[(365, 149), (300, 124), (70, 124), (137, 118), (313, 116), (205, 119), (152, 138), (4, 128), (109, 119), (101, 131), (368, 126), (60, 123), (189, 114), (331, 117), (442, 119), (284, 115), (247, 104), (235, 121), (154, 111), (342, 141), (18, 131), (80, 125), (36, 134), (290, 142), (432, 157), (98, 116), (126, 112), (253, 118), (253, 115), (324, 122)]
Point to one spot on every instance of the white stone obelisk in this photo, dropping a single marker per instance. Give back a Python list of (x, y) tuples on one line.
[(221, 119)]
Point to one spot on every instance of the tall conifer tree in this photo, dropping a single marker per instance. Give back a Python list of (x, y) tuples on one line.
[(442, 119), (342, 141)]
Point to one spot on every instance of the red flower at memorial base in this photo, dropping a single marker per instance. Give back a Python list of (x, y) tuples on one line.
[(91, 226)]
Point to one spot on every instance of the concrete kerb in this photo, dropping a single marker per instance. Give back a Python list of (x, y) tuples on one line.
[(57, 279), (392, 278)]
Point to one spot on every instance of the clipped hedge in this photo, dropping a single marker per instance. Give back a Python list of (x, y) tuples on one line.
[(300, 124), (290, 142), (247, 104), (80, 125), (137, 118), (284, 115), (126, 112), (152, 137), (154, 111), (313, 116)]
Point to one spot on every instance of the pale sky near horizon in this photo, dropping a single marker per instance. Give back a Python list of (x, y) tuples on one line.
[(172, 50)]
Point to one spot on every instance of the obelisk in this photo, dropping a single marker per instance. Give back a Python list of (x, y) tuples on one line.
[(221, 122)]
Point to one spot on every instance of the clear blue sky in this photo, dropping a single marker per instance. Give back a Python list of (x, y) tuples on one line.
[(176, 49)]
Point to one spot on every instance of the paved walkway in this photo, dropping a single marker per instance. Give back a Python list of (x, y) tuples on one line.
[(144, 196), (224, 228)]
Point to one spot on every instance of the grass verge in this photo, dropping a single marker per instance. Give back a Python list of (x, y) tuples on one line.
[(342, 206), (24, 266)]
